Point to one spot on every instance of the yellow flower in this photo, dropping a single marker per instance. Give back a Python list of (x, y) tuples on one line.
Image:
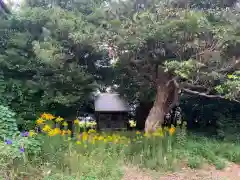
[(84, 136), (47, 116), (59, 119), (51, 133), (159, 129), (78, 142), (69, 132), (138, 132), (161, 134), (46, 128), (230, 76), (91, 124), (57, 131), (172, 130), (65, 123), (146, 135), (82, 124), (100, 138), (158, 134), (64, 132), (39, 121), (132, 123), (32, 133), (95, 137), (109, 138), (76, 121), (91, 131)]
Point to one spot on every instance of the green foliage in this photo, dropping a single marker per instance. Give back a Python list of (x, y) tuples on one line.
[(183, 69), (63, 159), (53, 53), (213, 151), (195, 162), (212, 117), (220, 164), (49, 61), (17, 155), (32, 147), (197, 45), (231, 88), (60, 158), (8, 126), (53, 56)]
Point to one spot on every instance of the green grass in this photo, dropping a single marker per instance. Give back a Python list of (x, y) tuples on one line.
[(104, 161), (195, 162)]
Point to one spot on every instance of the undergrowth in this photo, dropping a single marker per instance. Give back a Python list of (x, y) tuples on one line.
[(101, 156)]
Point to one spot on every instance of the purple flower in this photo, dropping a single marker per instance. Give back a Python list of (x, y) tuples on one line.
[(8, 142), (22, 150), (24, 134)]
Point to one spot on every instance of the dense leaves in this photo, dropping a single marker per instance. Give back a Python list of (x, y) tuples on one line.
[(55, 54), (166, 48), (8, 126), (194, 45), (48, 60)]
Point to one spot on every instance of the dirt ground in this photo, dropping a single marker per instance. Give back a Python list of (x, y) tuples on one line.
[(232, 172)]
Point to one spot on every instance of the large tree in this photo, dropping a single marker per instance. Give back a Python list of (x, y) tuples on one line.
[(169, 49), (47, 58)]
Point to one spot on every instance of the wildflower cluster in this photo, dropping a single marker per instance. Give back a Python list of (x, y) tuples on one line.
[(30, 133), (161, 132), (19, 141), (92, 137), (57, 126), (84, 124), (22, 146), (51, 125)]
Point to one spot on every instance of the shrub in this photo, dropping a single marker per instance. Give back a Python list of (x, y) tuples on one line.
[(232, 154), (93, 155), (195, 162), (220, 164), (8, 125), (17, 154)]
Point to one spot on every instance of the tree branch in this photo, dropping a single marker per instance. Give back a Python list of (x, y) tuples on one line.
[(194, 87), (232, 68), (209, 49), (207, 95), (4, 7)]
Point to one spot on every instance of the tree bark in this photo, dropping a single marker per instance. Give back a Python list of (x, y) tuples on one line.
[(166, 98)]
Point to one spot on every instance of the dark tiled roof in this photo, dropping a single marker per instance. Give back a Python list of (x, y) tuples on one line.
[(110, 102)]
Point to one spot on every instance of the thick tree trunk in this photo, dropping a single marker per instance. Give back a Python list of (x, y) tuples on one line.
[(166, 98)]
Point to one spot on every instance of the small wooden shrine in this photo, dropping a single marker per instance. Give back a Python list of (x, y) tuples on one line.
[(111, 112)]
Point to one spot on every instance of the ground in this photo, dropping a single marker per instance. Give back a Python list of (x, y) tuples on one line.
[(231, 172)]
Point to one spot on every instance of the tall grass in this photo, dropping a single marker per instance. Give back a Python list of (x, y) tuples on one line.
[(61, 159), (96, 156)]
